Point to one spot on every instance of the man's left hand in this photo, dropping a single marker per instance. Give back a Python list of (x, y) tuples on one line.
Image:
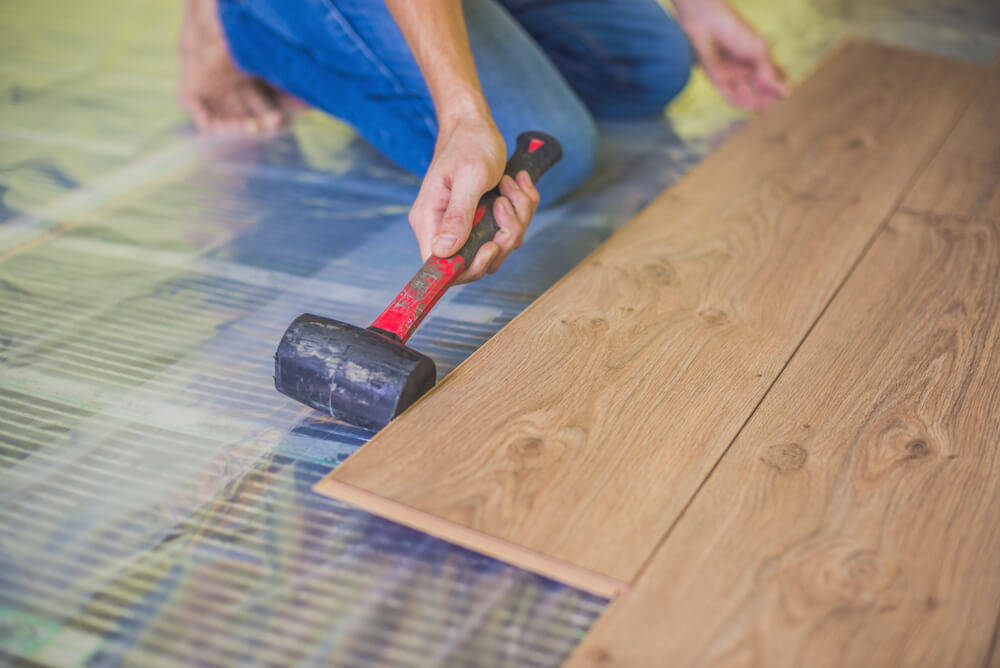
[(735, 57)]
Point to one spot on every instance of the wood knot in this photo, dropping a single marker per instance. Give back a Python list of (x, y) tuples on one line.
[(713, 316), (586, 323), (916, 449), (786, 457), (862, 141), (660, 271), (598, 324), (528, 447)]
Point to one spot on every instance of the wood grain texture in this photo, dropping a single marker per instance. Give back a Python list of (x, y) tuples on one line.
[(583, 428), (964, 179), (854, 520)]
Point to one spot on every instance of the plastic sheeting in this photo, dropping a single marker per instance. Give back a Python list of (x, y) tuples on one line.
[(155, 502)]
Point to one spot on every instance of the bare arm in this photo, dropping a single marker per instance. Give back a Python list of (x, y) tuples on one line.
[(470, 154), (435, 31)]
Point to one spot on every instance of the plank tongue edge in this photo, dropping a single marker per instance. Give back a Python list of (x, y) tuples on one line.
[(471, 539)]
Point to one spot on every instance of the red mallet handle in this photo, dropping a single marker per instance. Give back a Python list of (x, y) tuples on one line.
[(536, 152)]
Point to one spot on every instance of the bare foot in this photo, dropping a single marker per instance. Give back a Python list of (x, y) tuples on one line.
[(213, 90)]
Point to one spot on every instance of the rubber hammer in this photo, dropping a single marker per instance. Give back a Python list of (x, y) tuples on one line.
[(369, 376)]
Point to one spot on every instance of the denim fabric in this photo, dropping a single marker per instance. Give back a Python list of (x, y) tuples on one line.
[(545, 65)]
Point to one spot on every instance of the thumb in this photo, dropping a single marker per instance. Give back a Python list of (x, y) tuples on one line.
[(456, 223)]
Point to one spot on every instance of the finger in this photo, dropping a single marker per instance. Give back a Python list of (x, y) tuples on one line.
[(262, 108), (231, 114), (523, 204), (726, 79), (467, 187), (510, 236), (216, 121), (512, 227), (480, 263), (524, 180), (733, 94), (766, 96), (740, 93), (242, 100), (753, 100), (769, 76)]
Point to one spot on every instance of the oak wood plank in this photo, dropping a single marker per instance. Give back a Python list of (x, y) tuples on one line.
[(854, 520), (582, 429), (964, 179)]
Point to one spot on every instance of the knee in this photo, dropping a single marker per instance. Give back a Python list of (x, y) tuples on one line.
[(669, 68), (656, 76)]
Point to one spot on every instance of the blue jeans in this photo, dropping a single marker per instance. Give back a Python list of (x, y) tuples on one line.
[(549, 65)]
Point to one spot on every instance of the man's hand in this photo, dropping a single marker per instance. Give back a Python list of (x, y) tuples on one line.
[(470, 154), (469, 160), (213, 90), (734, 56)]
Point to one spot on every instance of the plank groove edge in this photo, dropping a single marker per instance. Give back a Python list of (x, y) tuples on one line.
[(497, 548)]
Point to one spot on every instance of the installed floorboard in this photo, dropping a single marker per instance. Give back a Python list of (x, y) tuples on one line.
[(854, 520), (964, 179), (575, 437)]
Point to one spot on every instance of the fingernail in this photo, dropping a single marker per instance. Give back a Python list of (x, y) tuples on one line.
[(506, 206), (443, 243)]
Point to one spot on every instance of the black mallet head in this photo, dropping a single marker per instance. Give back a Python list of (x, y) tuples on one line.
[(356, 375)]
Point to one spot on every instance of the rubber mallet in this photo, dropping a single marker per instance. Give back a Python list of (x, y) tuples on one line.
[(369, 376)]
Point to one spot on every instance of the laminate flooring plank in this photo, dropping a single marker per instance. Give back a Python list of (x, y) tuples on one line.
[(854, 520), (577, 434), (964, 179)]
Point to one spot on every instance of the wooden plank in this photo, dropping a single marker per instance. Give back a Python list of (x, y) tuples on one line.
[(582, 429), (964, 179), (854, 521)]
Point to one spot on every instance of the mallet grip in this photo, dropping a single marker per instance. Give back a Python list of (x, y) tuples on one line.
[(535, 153)]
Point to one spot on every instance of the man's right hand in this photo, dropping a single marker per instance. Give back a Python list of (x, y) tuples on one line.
[(468, 160), (470, 154)]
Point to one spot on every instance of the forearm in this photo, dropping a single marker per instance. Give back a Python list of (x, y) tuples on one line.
[(435, 32)]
